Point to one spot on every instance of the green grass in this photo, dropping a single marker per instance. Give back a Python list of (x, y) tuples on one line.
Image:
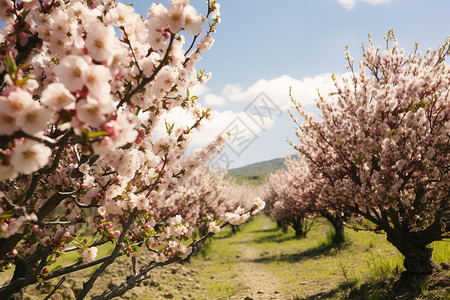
[(441, 251), (307, 268), (312, 265), (221, 290), (218, 262)]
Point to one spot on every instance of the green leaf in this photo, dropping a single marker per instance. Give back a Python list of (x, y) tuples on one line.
[(11, 66), (98, 134), (56, 268), (159, 228), (169, 127), (7, 214), (25, 14), (391, 133)]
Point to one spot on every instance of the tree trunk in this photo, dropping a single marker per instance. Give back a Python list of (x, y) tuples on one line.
[(418, 260), (338, 226), (418, 255), (339, 236), (23, 270), (299, 233), (282, 225), (298, 225), (419, 266)]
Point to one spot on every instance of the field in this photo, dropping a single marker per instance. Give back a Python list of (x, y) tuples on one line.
[(261, 262), (264, 263)]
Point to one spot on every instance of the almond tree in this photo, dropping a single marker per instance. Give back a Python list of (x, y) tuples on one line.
[(83, 84), (205, 196), (285, 205), (307, 188), (382, 146)]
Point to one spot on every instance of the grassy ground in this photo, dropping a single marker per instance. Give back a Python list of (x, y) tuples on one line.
[(261, 262), (310, 268)]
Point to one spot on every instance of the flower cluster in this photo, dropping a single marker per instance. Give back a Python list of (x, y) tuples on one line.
[(206, 197), (381, 147), (285, 194), (83, 85)]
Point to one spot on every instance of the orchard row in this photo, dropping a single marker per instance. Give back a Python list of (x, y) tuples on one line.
[(378, 157)]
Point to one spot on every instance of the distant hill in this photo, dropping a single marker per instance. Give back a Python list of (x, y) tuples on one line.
[(257, 172)]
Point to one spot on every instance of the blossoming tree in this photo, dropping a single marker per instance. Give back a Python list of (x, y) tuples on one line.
[(83, 85), (307, 188), (382, 146), (206, 196), (285, 203)]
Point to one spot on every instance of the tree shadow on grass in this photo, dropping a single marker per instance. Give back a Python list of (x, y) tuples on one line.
[(435, 286), (273, 238), (350, 291), (273, 229), (333, 294), (323, 249), (223, 236)]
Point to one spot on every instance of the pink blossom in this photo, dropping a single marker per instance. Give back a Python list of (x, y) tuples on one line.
[(70, 72), (89, 254), (157, 16), (57, 97), (7, 124), (29, 156), (259, 205), (176, 18), (91, 112), (33, 118), (100, 41), (91, 99), (15, 102), (96, 78), (193, 21)]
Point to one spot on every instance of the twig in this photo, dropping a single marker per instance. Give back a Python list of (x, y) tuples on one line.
[(87, 286), (133, 280), (55, 288), (41, 223), (147, 80)]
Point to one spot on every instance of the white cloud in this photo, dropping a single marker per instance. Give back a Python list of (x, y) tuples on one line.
[(233, 91), (277, 89), (199, 90), (220, 122), (347, 4), (350, 4), (211, 99)]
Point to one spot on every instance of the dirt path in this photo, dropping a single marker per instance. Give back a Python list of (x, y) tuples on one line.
[(257, 283)]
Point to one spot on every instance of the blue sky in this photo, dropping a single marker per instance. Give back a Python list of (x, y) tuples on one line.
[(267, 46)]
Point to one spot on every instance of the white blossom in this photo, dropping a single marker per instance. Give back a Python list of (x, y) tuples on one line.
[(30, 156), (89, 254)]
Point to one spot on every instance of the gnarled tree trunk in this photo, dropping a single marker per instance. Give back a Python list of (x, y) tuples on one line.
[(302, 225), (418, 256), (283, 225), (299, 232), (338, 226)]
